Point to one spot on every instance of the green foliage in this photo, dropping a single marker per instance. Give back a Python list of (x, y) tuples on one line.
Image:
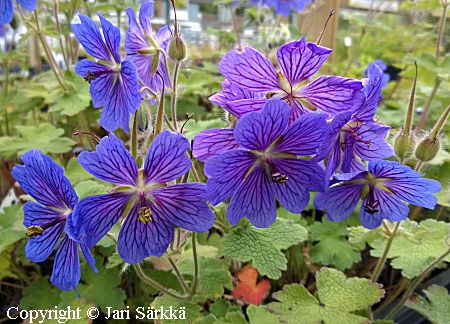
[(43, 136), (75, 172), (90, 188), (214, 275), (435, 307), (194, 127), (262, 246), (97, 283), (338, 300), (40, 294), (260, 315), (11, 228), (332, 247), (193, 311), (73, 101), (414, 247)]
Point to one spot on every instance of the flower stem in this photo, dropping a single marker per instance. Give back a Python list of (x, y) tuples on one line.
[(6, 67), (50, 59), (424, 116), (173, 103), (419, 166), (159, 115), (441, 29), (149, 281), (134, 137), (236, 29), (414, 285), (196, 268), (381, 261), (58, 28), (179, 275), (407, 126)]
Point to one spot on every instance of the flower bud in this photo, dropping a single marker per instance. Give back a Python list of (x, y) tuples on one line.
[(427, 149), (143, 117), (177, 49), (404, 145), (155, 63)]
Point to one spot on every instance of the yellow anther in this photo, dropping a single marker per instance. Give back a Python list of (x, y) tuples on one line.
[(145, 215), (33, 231)]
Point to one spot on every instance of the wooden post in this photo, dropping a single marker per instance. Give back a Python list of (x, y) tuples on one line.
[(311, 22)]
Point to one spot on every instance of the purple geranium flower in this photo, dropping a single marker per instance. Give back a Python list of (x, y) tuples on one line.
[(284, 7), (298, 62), (152, 207), (383, 67), (143, 47), (353, 136), (231, 95), (266, 164), (7, 9), (385, 190), (114, 83), (217, 140), (50, 217)]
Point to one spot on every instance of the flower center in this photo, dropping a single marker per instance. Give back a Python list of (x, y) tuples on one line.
[(35, 230), (90, 76), (145, 215), (352, 128), (279, 178), (372, 204)]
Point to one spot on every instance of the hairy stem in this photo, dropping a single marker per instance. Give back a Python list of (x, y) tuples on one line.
[(173, 103), (381, 261), (407, 126), (441, 29), (134, 135), (149, 281), (159, 115), (196, 268), (179, 275), (50, 59), (58, 28), (414, 285), (424, 116)]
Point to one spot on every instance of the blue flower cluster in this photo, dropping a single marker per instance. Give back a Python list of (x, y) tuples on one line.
[(294, 134)]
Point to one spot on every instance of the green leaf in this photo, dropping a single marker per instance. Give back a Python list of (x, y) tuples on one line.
[(192, 311), (40, 294), (221, 307), (11, 228), (214, 275), (75, 172), (106, 280), (263, 246), (193, 127), (435, 307), (338, 298), (90, 188), (332, 247), (414, 247), (72, 101), (260, 315), (232, 318), (45, 137)]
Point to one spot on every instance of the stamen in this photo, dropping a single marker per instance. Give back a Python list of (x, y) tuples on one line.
[(89, 76), (145, 215), (279, 178), (33, 231), (371, 205)]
